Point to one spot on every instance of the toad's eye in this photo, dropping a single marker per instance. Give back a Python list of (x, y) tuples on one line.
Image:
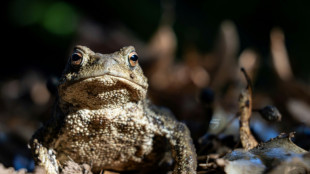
[(76, 59), (133, 59)]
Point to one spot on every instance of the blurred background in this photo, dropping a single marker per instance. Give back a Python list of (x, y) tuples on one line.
[(191, 53)]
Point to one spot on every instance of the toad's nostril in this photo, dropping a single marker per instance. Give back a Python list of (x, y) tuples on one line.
[(132, 76)]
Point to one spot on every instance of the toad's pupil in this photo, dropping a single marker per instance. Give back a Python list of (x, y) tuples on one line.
[(134, 58), (76, 57)]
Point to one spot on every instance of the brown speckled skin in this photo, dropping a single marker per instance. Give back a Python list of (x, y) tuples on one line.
[(102, 118)]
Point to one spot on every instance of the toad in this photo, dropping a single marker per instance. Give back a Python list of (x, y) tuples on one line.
[(102, 117)]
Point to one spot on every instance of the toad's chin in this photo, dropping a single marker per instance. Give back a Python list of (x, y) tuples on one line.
[(97, 92)]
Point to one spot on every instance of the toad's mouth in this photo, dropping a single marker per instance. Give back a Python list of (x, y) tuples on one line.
[(101, 90)]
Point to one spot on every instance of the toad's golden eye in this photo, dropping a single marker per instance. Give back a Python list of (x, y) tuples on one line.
[(133, 59), (76, 59)]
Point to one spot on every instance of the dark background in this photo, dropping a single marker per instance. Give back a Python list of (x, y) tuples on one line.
[(34, 36)]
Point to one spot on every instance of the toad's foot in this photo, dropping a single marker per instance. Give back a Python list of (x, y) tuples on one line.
[(45, 157)]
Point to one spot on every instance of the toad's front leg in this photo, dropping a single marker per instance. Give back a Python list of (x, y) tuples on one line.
[(44, 140), (183, 150), (44, 157)]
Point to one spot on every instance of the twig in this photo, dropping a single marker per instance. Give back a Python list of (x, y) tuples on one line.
[(245, 110)]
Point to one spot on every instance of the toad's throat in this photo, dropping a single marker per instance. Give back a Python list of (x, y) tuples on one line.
[(102, 90)]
